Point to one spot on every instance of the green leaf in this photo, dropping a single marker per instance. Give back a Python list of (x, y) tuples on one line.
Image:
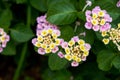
[(89, 38), (56, 75), (10, 49), (39, 5), (96, 47), (5, 19), (21, 33), (104, 59), (81, 16), (66, 32), (82, 4), (21, 1), (62, 13), (52, 2), (116, 62), (56, 63)]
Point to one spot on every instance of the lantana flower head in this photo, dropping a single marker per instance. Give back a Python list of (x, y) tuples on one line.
[(76, 50), (97, 19), (4, 38), (47, 40), (112, 35)]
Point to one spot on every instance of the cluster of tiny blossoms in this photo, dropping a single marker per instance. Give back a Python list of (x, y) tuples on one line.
[(4, 38), (47, 40), (98, 20), (112, 35), (76, 50)]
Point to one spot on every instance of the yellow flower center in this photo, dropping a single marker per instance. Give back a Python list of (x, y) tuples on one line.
[(101, 14), (94, 22), (102, 22), (106, 41)]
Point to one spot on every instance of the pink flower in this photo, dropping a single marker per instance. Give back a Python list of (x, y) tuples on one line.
[(74, 64), (83, 58), (87, 46), (60, 54), (1, 49), (64, 45), (88, 18), (88, 13), (41, 51), (75, 38), (55, 50), (107, 18), (34, 41), (61, 41), (95, 28), (105, 27), (118, 4), (88, 25), (41, 19), (96, 9), (40, 27), (4, 44), (38, 32), (57, 32)]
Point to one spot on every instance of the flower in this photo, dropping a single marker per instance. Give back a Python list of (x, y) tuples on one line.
[(76, 51), (118, 4), (4, 38), (113, 35), (47, 41), (97, 19), (60, 54), (106, 41), (44, 24)]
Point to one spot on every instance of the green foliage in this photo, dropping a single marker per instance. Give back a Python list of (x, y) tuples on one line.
[(66, 32), (21, 33), (56, 75), (116, 62), (10, 49), (56, 63), (104, 59), (65, 13), (21, 1), (5, 19), (39, 4)]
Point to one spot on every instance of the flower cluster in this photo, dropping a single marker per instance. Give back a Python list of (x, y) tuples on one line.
[(76, 50), (112, 35), (4, 38), (47, 40), (118, 4), (98, 20)]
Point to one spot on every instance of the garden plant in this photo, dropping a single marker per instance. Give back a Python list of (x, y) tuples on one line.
[(59, 39)]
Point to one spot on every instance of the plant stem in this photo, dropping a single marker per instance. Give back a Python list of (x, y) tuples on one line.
[(18, 70), (20, 64), (75, 28), (28, 16), (84, 7)]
